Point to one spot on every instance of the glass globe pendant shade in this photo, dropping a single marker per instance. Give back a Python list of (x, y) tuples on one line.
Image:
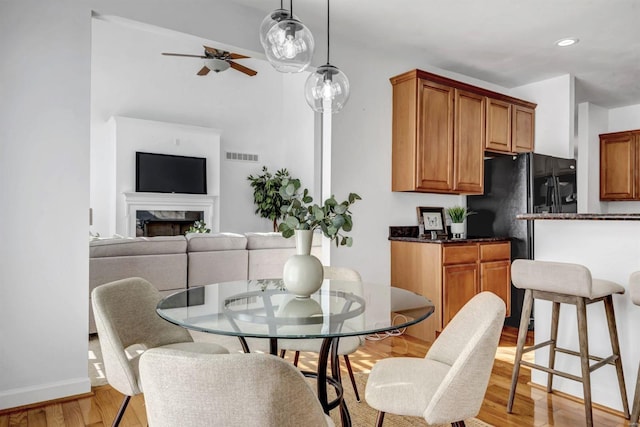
[(327, 89), (269, 21), (289, 46)]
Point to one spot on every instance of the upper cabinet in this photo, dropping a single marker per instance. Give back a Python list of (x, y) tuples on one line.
[(620, 166), (441, 129)]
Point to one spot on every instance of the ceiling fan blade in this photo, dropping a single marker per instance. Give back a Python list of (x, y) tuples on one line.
[(204, 71), (184, 54), (237, 56), (213, 51), (242, 68)]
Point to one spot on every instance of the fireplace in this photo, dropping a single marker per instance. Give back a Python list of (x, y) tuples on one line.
[(167, 214), (165, 223)]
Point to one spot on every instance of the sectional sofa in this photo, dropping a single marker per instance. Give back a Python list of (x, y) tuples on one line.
[(173, 263)]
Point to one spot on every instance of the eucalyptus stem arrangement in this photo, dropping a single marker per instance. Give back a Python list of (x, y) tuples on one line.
[(331, 217)]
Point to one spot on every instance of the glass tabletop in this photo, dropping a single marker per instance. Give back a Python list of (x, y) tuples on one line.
[(265, 309)]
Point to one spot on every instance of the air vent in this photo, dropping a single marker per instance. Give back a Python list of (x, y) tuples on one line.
[(242, 157)]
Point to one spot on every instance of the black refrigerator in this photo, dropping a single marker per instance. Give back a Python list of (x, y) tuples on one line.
[(525, 183)]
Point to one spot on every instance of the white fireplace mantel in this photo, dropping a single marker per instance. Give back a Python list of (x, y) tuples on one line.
[(134, 202)]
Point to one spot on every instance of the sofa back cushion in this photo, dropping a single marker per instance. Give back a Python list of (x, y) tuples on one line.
[(138, 246)]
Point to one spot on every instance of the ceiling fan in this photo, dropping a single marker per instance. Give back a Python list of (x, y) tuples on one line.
[(218, 60)]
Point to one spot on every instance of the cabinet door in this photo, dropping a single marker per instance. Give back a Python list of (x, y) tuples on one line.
[(495, 276), (498, 125), (468, 147), (618, 167), (459, 285), (522, 129), (435, 137)]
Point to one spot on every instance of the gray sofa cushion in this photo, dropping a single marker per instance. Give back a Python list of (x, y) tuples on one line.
[(138, 246), (275, 241), (204, 242)]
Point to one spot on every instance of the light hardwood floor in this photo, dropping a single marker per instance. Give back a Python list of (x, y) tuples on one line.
[(533, 406)]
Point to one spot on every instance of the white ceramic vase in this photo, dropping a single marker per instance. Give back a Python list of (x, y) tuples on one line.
[(303, 273), (457, 230)]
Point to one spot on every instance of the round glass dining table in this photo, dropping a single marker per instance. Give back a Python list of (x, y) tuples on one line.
[(263, 308)]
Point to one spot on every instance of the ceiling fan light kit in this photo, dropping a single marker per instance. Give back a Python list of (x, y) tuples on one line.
[(327, 90), (218, 60)]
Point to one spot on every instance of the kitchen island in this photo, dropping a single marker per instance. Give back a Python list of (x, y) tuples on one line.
[(609, 245)]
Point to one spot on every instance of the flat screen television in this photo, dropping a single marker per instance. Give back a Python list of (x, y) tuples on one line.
[(165, 173)]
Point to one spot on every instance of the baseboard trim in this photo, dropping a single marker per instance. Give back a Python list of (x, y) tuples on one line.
[(23, 396), (578, 400)]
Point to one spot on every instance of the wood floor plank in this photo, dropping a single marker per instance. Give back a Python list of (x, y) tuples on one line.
[(533, 407)]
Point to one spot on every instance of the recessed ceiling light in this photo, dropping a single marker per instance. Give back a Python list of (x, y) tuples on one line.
[(567, 42)]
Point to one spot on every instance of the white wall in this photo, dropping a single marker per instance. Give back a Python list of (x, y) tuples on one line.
[(592, 121), (554, 130), (131, 78), (131, 135), (44, 189)]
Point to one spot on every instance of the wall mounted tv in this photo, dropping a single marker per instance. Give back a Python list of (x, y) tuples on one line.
[(164, 173)]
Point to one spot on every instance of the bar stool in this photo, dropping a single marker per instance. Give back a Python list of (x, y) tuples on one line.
[(568, 284), (634, 290)]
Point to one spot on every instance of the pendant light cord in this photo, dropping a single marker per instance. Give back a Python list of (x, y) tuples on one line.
[(328, 32)]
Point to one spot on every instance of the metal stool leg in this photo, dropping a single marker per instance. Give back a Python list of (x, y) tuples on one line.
[(522, 338), (581, 309), (555, 315), (615, 346)]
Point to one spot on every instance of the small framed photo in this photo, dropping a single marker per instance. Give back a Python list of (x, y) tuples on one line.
[(432, 219)]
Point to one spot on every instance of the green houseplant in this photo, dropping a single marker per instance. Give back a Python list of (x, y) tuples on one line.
[(458, 214), (331, 217), (267, 195), (199, 227)]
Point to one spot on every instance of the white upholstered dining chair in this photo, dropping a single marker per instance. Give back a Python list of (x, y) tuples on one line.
[(449, 383), (126, 319), (346, 345), (227, 390)]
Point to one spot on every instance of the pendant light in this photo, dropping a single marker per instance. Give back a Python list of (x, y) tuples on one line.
[(327, 89), (289, 45), (270, 20)]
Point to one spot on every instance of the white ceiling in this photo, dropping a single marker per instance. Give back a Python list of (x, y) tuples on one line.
[(505, 42)]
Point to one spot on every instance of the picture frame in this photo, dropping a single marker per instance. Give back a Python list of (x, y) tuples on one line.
[(433, 221)]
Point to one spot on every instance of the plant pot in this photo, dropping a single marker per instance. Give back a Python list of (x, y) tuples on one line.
[(457, 230), (303, 273)]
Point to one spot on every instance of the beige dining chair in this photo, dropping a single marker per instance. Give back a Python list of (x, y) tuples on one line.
[(127, 324), (449, 383), (227, 390), (346, 345)]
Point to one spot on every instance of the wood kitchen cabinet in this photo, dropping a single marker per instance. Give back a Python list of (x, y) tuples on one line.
[(510, 127), (440, 132), (620, 166), (450, 274)]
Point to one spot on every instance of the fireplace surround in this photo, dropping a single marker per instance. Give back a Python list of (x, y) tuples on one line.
[(171, 210)]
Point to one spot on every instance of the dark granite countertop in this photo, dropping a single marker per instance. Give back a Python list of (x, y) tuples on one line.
[(451, 241), (583, 216), (410, 234)]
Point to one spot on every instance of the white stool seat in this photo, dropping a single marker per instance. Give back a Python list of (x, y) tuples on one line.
[(566, 283), (561, 278)]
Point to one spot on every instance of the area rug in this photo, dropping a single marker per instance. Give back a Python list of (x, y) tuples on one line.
[(362, 415)]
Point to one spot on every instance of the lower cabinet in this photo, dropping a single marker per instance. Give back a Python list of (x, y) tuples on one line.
[(450, 274)]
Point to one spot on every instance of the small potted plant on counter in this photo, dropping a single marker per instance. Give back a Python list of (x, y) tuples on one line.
[(458, 214)]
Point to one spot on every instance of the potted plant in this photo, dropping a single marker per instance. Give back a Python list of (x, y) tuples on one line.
[(267, 195), (458, 214), (303, 273)]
